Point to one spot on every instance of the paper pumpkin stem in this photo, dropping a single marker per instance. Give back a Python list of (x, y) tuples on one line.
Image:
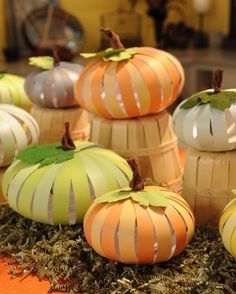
[(56, 58), (217, 77), (113, 38), (137, 182), (67, 142)]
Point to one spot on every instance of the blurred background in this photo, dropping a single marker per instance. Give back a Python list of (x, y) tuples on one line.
[(201, 33)]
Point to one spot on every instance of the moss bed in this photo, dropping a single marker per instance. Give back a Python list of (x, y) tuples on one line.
[(62, 256)]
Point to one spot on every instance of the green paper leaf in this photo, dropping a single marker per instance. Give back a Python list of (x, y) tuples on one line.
[(2, 75), (191, 102), (220, 100), (45, 154), (155, 198), (111, 54), (44, 62), (88, 55)]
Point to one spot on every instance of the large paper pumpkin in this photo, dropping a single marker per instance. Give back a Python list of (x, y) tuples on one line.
[(52, 84), (227, 227), (55, 186), (141, 225), (12, 91), (18, 129), (124, 83), (206, 121)]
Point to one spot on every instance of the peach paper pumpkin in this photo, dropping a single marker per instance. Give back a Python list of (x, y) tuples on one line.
[(143, 226), (124, 83)]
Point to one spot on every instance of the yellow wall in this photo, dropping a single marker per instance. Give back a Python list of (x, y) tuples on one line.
[(89, 12)]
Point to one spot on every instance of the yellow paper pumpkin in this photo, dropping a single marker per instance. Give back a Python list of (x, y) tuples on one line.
[(124, 83), (12, 91), (53, 185), (139, 226), (18, 130), (227, 227)]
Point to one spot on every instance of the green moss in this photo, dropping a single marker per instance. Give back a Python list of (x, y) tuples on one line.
[(62, 256)]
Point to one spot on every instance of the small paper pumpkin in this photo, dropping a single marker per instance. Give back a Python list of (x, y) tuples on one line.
[(55, 184), (52, 84), (141, 225), (206, 121), (18, 130), (124, 83), (12, 91), (227, 226)]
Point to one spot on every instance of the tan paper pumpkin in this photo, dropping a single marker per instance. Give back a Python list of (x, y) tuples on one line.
[(125, 83), (51, 123), (18, 130), (207, 120), (209, 178), (12, 91), (141, 225), (52, 84), (56, 183), (227, 226), (150, 139)]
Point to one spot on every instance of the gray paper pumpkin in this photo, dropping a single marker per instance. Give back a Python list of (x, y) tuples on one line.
[(52, 85)]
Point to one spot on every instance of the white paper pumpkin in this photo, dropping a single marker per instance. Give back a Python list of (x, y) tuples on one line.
[(52, 85), (18, 129), (205, 127), (55, 186)]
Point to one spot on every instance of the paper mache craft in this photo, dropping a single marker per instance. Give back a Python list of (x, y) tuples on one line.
[(56, 183), (227, 226), (124, 83), (12, 91), (139, 225), (206, 120), (52, 84), (18, 130)]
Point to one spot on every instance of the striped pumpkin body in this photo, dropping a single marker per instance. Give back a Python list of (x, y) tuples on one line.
[(61, 193), (146, 83), (18, 130), (12, 91), (53, 88), (128, 232), (227, 227)]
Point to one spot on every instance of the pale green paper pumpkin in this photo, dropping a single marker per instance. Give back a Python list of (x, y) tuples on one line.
[(58, 187), (12, 91)]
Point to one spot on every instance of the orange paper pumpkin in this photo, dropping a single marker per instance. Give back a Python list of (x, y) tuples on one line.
[(124, 83), (139, 227), (129, 231)]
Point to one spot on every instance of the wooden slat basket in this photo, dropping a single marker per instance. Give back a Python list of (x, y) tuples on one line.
[(149, 138), (51, 123), (209, 178)]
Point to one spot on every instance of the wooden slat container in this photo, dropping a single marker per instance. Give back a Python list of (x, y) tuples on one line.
[(149, 138), (209, 178), (51, 123), (2, 199)]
